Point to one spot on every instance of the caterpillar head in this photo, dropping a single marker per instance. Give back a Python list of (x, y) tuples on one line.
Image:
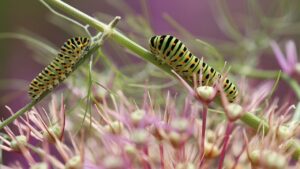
[(153, 45)]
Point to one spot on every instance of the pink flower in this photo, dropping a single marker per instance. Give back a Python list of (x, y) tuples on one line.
[(288, 63)]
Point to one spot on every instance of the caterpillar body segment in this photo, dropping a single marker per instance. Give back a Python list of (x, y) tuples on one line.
[(62, 65), (173, 52)]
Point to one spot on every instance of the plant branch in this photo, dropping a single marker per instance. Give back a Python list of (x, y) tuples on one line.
[(293, 83), (255, 122)]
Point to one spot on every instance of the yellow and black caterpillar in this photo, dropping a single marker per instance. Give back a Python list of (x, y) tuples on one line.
[(62, 65), (173, 52)]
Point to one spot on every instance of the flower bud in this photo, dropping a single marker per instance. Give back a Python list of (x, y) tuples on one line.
[(74, 163), (52, 132), (297, 68), (185, 166), (211, 150), (267, 159), (284, 133), (115, 127), (210, 136), (158, 133), (291, 144), (175, 139), (206, 93), (130, 149), (137, 116), (275, 160), (112, 162), (139, 136), (39, 166), (254, 157), (180, 124), (19, 141), (234, 110)]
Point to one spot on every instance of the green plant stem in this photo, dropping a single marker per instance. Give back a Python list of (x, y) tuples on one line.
[(18, 113), (267, 74), (255, 122), (293, 83), (255, 73), (295, 145)]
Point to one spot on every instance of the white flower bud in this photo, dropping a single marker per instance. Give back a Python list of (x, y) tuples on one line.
[(51, 133), (19, 141), (74, 163), (39, 166), (254, 156), (211, 150), (297, 68), (234, 110), (137, 116), (268, 159), (275, 160), (210, 136), (181, 124), (175, 138), (139, 136), (116, 127), (112, 162), (130, 149), (284, 133), (206, 92), (185, 166)]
